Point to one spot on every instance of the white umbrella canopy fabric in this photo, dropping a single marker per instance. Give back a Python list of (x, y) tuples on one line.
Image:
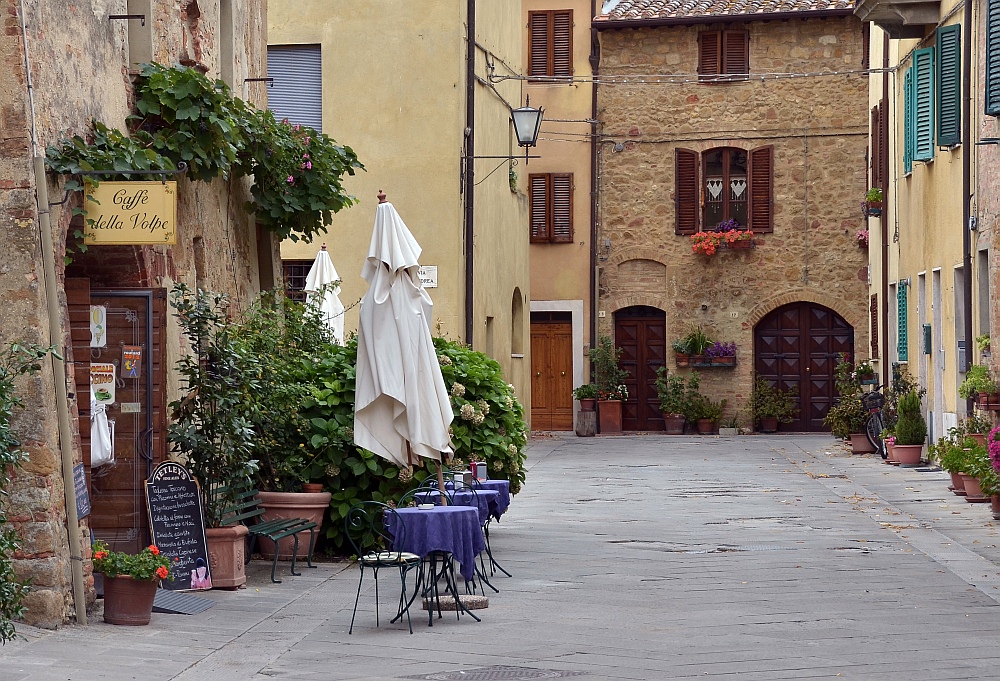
[(401, 403), (326, 300)]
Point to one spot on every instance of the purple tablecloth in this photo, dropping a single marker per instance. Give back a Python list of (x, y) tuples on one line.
[(503, 499), (453, 529), (488, 500)]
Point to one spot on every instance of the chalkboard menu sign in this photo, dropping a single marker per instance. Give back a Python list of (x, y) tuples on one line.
[(178, 525)]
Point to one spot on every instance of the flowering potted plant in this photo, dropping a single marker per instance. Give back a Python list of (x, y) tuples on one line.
[(862, 238), (706, 243), (979, 384), (728, 234), (721, 354), (130, 582), (873, 202), (865, 374), (610, 380)]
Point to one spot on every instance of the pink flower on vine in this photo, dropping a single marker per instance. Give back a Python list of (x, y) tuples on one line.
[(290, 180), (307, 165), (993, 445)]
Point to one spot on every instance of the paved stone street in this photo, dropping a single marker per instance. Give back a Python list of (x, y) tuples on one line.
[(647, 557)]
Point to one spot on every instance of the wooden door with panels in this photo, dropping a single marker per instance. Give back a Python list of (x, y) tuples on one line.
[(796, 347), (132, 323), (551, 371), (640, 333)]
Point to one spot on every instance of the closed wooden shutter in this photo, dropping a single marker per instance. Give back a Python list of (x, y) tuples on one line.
[(686, 194), (908, 121), (709, 57), (876, 147), (736, 53), (992, 58), (902, 341), (562, 209), (539, 47), (873, 310), (923, 90), (883, 126), (949, 85), (297, 91), (538, 189), (761, 218), (562, 44)]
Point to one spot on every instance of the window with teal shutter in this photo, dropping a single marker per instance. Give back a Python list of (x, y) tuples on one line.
[(902, 347), (949, 85), (908, 121), (923, 109), (993, 58)]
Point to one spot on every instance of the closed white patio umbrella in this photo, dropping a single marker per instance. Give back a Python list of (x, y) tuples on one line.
[(402, 408), (325, 297)]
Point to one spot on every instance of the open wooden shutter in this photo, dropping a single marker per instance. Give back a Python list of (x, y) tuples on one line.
[(736, 53), (709, 57), (902, 337), (873, 310), (562, 209), (686, 194), (993, 59), (761, 218), (538, 186), (908, 121), (876, 147), (949, 85), (562, 44), (538, 59), (923, 90), (883, 153)]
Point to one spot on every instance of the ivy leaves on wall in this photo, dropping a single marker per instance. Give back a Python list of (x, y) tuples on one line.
[(181, 115)]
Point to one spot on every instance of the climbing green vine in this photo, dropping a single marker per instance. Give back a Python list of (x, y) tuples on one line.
[(181, 115)]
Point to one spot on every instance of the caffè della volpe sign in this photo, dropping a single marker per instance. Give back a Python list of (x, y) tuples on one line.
[(126, 213)]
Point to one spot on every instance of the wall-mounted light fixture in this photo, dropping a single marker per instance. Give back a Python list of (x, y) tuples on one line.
[(527, 122)]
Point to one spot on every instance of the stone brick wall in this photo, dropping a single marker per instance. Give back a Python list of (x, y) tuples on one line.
[(79, 72), (818, 127)]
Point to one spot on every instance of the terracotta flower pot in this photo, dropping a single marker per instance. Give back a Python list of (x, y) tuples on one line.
[(227, 555), (588, 404), (312, 487), (768, 424), (741, 244), (706, 426), (682, 359), (673, 424), (995, 506), (609, 414), (980, 438), (697, 359), (860, 444), (958, 484), (724, 361), (127, 601), (310, 506), (909, 455), (891, 451), (973, 490)]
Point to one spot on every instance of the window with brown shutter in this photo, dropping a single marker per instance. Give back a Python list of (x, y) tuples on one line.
[(876, 147), (686, 204), (723, 55), (551, 201), (873, 309), (883, 138), (551, 46), (761, 172)]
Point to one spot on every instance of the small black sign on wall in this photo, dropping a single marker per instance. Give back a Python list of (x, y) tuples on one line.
[(82, 494), (177, 523)]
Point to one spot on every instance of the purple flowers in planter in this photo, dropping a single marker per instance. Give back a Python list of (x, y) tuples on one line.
[(719, 349)]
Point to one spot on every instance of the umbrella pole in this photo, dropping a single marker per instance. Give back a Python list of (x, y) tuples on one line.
[(444, 499)]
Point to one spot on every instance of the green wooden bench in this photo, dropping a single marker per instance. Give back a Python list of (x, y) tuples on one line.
[(246, 509)]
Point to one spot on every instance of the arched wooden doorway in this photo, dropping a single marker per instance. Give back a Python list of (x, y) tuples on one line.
[(641, 332), (796, 346)]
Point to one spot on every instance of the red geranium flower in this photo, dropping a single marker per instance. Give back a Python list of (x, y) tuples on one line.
[(100, 555), (152, 549), (162, 572)]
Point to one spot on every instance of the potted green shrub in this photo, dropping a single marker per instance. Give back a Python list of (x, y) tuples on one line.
[(671, 389), (979, 385), (587, 394), (911, 430), (873, 202), (706, 413), (681, 355), (610, 379), (769, 405), (697, 342), (983, 342)]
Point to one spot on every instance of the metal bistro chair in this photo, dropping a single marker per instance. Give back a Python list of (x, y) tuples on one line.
[(367, 525), (464, 487)]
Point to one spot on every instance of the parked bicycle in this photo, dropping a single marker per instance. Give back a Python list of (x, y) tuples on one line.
[(875, 421)]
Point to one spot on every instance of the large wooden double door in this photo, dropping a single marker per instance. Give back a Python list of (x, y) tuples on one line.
[(640, 333), (796, 346), (551, 371)]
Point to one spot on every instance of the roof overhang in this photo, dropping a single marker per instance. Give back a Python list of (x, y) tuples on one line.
[(900, 18), (603, 24)]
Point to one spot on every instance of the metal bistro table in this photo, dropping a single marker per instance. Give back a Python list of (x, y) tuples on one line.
[(488, 501), (431, 532), (502, 488)]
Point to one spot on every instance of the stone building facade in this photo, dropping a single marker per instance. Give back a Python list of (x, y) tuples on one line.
[(81, 58), (793, 140)]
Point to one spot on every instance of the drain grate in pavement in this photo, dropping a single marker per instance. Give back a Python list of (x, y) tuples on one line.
[(497, 673)]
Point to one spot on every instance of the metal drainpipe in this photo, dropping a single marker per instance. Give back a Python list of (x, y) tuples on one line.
[(470, 151), (967, 154), (595, 61), (62, 397), (886, 167)]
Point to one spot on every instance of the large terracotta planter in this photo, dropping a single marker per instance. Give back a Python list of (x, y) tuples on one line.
[(908, 455), (127, 601), (310, 506), (768, 424), (995, 506), (227, 556), (957, 484), (673, 424), (860, 444), (609, 413), (973, 490), (706, 426), (980, 438)]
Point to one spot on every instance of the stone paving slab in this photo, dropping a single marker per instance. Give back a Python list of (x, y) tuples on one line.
[(650, 557)]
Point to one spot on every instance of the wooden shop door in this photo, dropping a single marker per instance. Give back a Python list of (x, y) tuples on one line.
[(641, 334), (551, 371), (796, 346), (135, 320)]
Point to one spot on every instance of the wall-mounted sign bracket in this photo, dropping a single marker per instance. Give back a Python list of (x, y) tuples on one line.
[(181, 168), (128, 17)]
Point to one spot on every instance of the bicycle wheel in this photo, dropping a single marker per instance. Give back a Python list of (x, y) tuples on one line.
[(873, 430)]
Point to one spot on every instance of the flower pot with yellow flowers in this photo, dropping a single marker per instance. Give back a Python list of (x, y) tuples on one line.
[(130, 582)]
